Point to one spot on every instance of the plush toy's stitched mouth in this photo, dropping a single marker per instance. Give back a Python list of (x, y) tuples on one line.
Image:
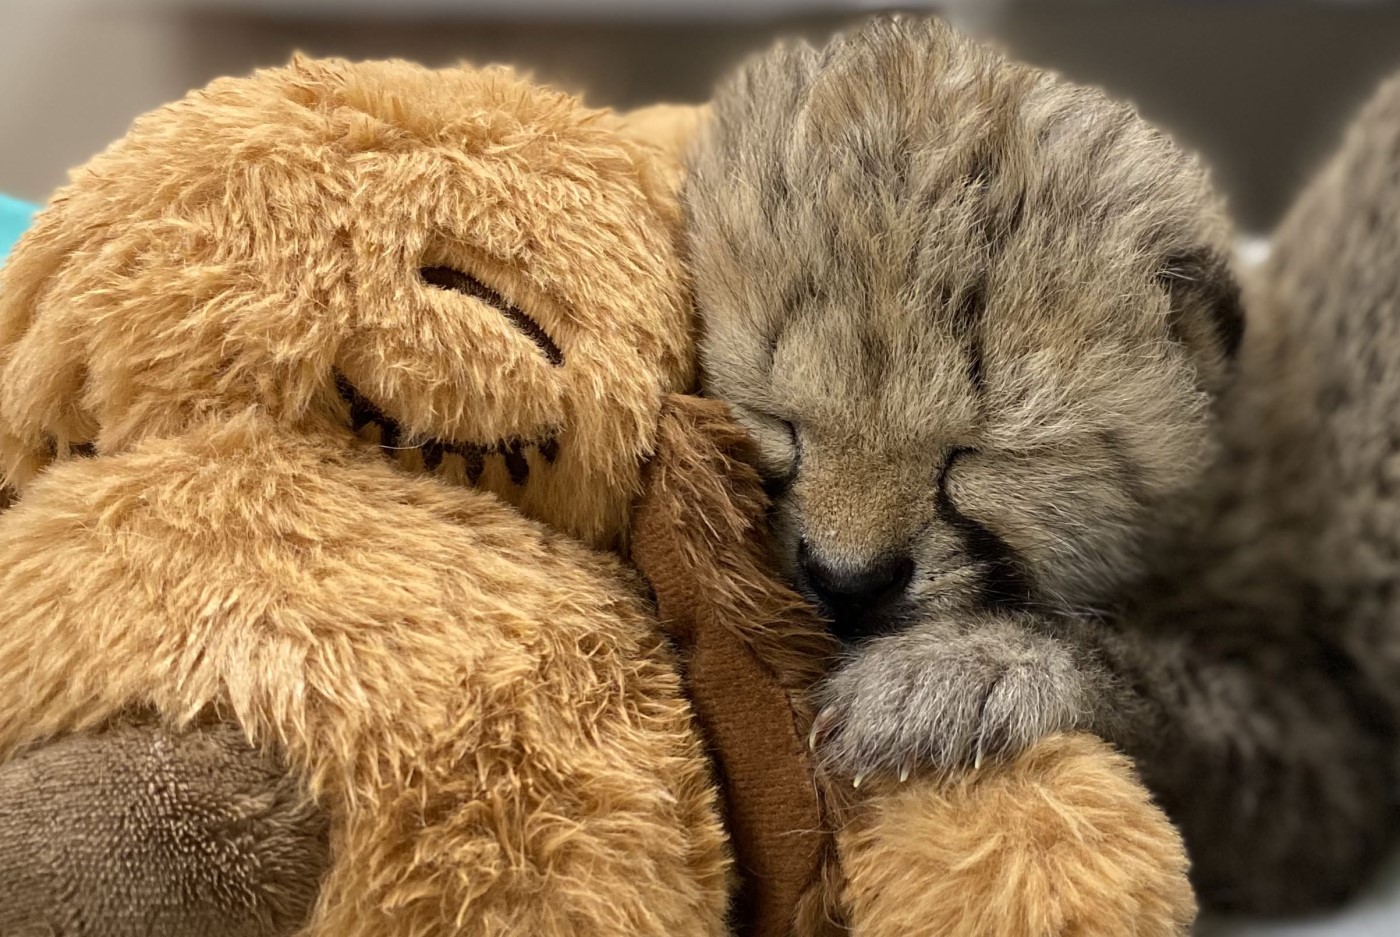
[(363, 412)]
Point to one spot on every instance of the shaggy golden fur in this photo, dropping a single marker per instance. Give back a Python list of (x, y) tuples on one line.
[(212, 309), (1061, 841), (241, 247), (484, 707)]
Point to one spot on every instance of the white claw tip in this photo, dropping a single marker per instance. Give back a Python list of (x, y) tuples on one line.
[(903, 774), (856, 782)]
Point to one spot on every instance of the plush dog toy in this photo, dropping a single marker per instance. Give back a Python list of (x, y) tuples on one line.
[(235, 310), (252, 669)]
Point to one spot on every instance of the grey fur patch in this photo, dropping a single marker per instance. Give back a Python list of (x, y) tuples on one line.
[(949, 694), (964, 252)]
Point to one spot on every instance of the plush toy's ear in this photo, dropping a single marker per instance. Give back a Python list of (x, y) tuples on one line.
[(42, 415), (669, 128), (184, 273), (162, 286)]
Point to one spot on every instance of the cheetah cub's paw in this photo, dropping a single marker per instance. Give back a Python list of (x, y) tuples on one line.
[(947, 697)]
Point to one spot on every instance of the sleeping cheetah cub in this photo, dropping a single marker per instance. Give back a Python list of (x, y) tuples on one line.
[(978, 320)]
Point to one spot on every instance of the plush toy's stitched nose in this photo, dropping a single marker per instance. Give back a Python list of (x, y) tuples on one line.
[(858, 598)]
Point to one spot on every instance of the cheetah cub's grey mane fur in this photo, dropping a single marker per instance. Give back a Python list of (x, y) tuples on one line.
[(980, 321)]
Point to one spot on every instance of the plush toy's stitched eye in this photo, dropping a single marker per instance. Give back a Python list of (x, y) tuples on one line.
[(448, 278)]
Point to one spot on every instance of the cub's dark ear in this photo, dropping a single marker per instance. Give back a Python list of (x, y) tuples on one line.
[(1206, 312)]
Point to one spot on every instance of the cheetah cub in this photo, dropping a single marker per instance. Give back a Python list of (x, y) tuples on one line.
[(979, 320)]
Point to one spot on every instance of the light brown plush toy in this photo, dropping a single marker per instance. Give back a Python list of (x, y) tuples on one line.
[(472, 689), (208, 344)]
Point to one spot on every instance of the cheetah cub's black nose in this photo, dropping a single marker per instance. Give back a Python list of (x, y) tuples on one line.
[(859, 599)]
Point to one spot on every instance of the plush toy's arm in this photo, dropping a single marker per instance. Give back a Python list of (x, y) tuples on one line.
[(137, 831), (1062, 841), (485, 710)]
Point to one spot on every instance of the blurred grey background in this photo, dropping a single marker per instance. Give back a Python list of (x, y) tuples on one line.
[(1260, 88)]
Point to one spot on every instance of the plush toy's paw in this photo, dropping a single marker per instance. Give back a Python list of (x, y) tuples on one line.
[(948, 698), (141, 831), (1062, 841)]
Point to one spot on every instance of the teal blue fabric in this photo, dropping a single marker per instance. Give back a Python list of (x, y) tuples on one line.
[(14, 218)]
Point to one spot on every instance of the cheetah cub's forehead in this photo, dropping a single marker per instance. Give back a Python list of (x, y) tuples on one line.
[(908, 209), (905, 246), (906, 178)]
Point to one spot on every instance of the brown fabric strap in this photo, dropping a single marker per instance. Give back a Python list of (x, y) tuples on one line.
[(750, 647)]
